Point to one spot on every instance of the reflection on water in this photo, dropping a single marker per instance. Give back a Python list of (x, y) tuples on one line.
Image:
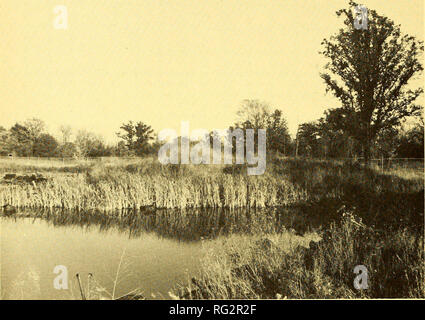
[(161, 249), (31, 248), (183, 225)]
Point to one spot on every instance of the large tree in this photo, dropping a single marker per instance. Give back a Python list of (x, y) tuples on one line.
[(278, 138), (35, 128), (369, 72), (137, 137), (334, 132), (254, 114), (67, 150), (20, 140), (411, 142), (24, 138), (90, 145), (308, 136), (66, 132), (45, 146), (4, 141)]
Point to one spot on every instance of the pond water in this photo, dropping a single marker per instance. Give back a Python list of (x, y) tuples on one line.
[(152, 253), (31, 248)]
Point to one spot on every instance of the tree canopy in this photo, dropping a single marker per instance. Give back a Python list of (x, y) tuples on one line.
[(137, 137), (369, 72)]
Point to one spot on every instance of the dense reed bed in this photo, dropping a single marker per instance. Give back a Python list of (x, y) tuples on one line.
[(111, 187), (134, 184)]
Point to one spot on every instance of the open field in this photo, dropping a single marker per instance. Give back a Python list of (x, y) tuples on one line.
[(352, 215)]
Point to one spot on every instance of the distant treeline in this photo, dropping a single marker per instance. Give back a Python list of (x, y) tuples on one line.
[(326, 138), (323, 138)]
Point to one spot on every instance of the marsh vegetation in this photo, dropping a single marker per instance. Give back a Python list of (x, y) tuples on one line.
[(298, 231)]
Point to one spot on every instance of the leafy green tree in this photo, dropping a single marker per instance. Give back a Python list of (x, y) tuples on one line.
[(24, 138), (35, 128), (4, 142), (20, 140), (278, 138), (336, 141), (129, 134), (308, 136), (121, 149), (369, 71), (67, 150), (385, 144), (411, 143), (137, 137), (45, 146), (90, 145), (66, 132), (254, 114)]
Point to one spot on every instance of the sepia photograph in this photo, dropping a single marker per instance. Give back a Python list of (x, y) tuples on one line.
[(211, 150)]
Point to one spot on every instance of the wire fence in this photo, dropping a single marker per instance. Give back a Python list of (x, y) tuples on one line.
[(398, 163), (382, 163), (66, 159)]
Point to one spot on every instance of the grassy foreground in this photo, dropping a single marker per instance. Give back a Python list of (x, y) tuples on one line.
[(367, 218), (285, 266)]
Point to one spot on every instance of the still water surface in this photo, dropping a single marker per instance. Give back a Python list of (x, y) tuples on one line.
[(31, 248), (156, 251)]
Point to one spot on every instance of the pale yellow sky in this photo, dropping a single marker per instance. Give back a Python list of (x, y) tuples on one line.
[(163, 62)]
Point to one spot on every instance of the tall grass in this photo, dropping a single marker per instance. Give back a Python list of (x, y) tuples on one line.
[(286, 266), (112, 187), (140, 183)]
